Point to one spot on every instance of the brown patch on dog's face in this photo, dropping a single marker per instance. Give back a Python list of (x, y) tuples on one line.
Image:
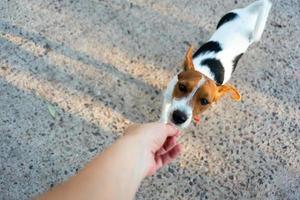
[(210, 93), (187, 81), (204, 97), (189, 78)]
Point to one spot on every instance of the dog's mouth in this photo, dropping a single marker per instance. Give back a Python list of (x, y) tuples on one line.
[(197, 119)]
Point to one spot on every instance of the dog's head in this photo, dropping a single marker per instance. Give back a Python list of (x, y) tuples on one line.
[(193, 93)]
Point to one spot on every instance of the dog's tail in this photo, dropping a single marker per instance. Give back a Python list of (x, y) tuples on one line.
[(261, 9)]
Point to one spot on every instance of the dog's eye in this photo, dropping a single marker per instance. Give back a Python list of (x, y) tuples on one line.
[(182, 87), (203, 101)]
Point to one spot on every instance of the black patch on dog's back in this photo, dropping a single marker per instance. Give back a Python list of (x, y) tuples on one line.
[(227, 18), (211, 46), (236, 60), (216, 69)]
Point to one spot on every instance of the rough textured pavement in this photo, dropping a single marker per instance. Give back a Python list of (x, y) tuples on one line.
[(98, 66)]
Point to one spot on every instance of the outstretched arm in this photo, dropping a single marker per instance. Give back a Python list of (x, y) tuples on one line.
[(118, 171)]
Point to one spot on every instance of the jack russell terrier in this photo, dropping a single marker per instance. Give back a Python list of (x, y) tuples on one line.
[(206, 72)]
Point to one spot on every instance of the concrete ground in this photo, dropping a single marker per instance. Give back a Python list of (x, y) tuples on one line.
[(75, 73)]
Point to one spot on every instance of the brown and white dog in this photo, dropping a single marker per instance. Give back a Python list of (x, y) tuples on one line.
[(206, 72)]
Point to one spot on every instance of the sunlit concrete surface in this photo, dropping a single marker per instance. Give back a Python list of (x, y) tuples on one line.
[(75, 73)]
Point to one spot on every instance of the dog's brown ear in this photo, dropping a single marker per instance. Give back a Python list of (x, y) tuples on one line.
[(188, 61), (223, 89)]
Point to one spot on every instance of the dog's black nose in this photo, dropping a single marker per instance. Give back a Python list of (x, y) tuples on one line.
[(179, 117)]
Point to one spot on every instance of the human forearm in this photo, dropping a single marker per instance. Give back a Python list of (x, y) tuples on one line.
[(121, 170), (115, 174)]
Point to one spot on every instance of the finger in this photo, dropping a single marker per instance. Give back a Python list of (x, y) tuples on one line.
[(162, 160), (169, 144), (175, 151), (156, 134), (158, 161), (156, 129), (171, 155), (178, 134), (161, 151), (171, 130)]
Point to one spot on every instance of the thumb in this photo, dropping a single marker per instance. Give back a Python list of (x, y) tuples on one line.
[(157, 133), (153, 135)]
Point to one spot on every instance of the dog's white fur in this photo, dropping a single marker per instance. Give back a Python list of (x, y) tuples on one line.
[(234, 37)]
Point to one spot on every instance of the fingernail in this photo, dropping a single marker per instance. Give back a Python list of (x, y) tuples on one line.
[(172, 126)]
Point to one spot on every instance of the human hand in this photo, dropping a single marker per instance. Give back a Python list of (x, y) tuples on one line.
[(156, 143)]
